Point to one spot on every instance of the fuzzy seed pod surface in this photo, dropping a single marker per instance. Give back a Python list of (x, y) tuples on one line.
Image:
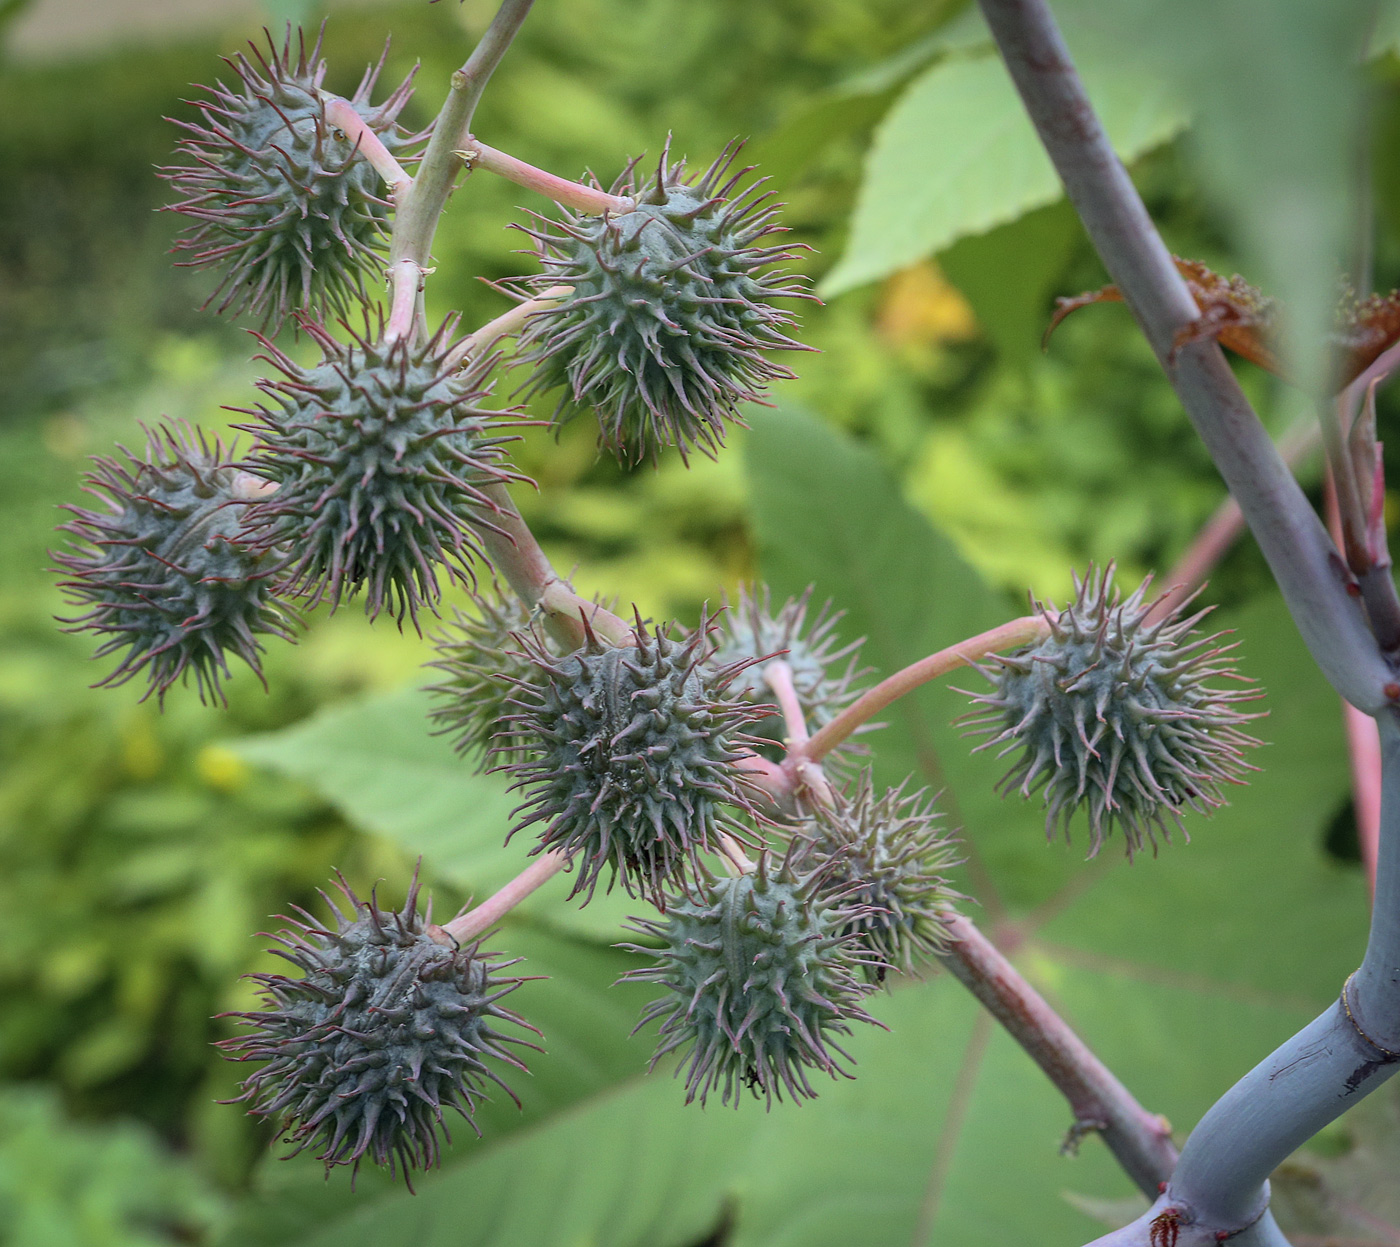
[(631, 764), (389, 1023), (888, 856), (672, 312), (761, 975), (164, 572), (380, 455), (823, 670), (1118, 715), (281, 200)]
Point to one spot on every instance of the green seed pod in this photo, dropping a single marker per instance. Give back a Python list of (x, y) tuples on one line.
[(761, 973), (672, 311), (381, 454), (389, 1023), (481, 660), (280, 199), (632, 758), (888, 856), (164, 572), (823, 671), (1115, 713)]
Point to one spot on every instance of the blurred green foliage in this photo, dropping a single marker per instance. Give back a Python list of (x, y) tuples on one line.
[(139, 852)]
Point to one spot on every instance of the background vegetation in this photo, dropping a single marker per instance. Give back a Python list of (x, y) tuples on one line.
[(930, 463)]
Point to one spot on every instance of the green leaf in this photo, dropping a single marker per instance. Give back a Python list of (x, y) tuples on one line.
[(378, 762), (957, 156), (1010, 273)]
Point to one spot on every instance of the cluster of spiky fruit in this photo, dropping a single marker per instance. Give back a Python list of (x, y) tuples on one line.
[(1114, 712), (282, 200), (381, 455), (823, 670), (163, 571), (671, 309), (631, 762), (888, 856), (389, 1023), (762, 972)]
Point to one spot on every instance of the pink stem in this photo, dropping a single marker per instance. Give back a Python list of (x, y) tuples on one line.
[(587, 199), (779, 677), (964, 654), (342, 115), (505, 324), (405, 285), (1363, 743), (1141, 1141), (469, 925)]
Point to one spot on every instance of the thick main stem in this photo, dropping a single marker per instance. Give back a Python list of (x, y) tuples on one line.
[(964, 654), (1219, 1185), (1304, 561), (1140, 1141)]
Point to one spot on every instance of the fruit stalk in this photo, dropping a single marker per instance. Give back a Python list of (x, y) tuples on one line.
[(575, 195)]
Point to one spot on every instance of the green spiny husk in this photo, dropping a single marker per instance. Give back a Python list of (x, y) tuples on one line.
[(381, 454), (673, 308), (164, 571), (631, 762), (762, 973), (889, 856), (279, 199), (388, 1023), (1115, 713)]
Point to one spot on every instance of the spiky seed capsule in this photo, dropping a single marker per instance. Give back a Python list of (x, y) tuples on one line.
[(380, 454), (1116, 713), (888, 855), (761, 973), (389, 1023), (280, 199), (823, 670), (631, 765), (481, 663), (163, 571), (673, 307)]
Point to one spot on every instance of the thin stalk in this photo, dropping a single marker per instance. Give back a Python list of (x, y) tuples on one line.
[(964, 654), (405, 285), (507, 323), (475, 154), (517, 556), (474, 922), (778, 675), (342, 115), (736, 861), (1139, 1140), (1297, 547), (416, 220)]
